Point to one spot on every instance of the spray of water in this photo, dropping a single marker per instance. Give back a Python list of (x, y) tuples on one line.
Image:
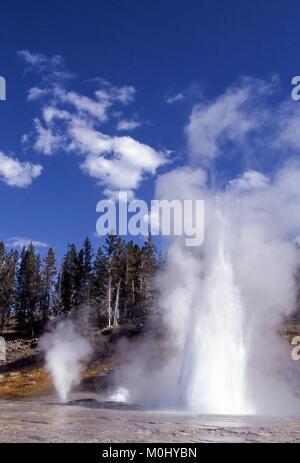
[(223, 305), (214, 359), (66, 353), (119, 395)]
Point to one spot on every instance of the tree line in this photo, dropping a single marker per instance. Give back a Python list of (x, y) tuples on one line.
[(104, 288)]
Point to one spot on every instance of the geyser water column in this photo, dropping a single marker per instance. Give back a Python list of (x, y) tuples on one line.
[(213, 376), (66, 354)]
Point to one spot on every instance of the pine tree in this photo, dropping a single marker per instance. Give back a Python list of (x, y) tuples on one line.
[(68, 287), (115, 287), (85, 267), (28, 290), (79, 295), (134, 263), (48, 285), (7, 285), (2, 253), (2, 285), (148, 269), (98, 288), (88, 255)]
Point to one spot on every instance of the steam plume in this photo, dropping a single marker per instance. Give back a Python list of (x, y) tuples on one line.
[(224, 304), (66, 353)]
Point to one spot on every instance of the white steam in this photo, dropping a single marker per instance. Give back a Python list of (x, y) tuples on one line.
[(224, 303), (215, 356), (66, 353), (119, 395)]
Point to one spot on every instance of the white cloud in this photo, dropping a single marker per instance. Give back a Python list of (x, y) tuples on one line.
[(189, 183), (172, 99), (287, 120), (119, 163), (116, 162), (126, 124), (94, 108), (24, 139), (51, 69), (124, 95), (46, 141), (250, 180), (34, 93), (50, 113), (244, 121), (232, 117), (19, 242), (18, 174), (71, 122), (33, 59)]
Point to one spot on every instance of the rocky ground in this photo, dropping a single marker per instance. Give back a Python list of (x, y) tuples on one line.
[(23, 374), (29, 411), (88, 420)]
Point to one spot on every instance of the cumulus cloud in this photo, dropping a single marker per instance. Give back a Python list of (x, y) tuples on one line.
[(94, 108), (231, 117), (243, 119), (54, 74), (116, 162), (189, 183), (46, 141), (250, 180), (50, 113), (119, 163), (72, 122), (18, 174)]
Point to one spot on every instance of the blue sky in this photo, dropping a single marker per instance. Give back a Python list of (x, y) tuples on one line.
[(152, 64)]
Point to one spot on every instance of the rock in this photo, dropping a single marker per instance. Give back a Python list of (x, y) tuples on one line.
[(34, 342), (2, 349)]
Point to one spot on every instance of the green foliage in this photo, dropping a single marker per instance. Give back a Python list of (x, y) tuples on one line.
[(28, 289), (105, 289)]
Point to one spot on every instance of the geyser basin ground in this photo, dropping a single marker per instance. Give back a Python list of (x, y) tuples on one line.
[(88, 421)]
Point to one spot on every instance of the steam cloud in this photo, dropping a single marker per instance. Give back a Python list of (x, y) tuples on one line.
[(224, 303), (66, 353)]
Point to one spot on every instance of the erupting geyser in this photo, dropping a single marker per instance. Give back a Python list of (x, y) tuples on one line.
[(225, 302), (66, 353), (213, 378)]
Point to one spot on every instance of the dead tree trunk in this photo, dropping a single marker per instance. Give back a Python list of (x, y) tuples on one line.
[(109, 294), (117, 311)]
